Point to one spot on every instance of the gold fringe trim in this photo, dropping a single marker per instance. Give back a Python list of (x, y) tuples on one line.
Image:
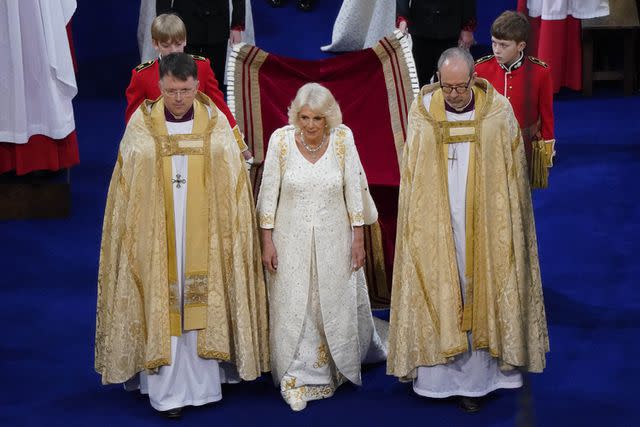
[(542, 153), (218, 355), (153, 365)]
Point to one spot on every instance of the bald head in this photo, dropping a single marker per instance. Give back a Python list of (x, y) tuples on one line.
[(456, 74), (456, 57)]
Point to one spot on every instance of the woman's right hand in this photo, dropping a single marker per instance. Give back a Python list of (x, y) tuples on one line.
[(269, 256)]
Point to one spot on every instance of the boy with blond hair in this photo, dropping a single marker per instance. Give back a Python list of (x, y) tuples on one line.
[(169, 35)]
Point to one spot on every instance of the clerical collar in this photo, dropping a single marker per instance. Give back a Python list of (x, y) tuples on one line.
[(516, 64), (469, 107), (185, 118)]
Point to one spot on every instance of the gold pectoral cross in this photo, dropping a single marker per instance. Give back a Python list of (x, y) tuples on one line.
[(178, 181)]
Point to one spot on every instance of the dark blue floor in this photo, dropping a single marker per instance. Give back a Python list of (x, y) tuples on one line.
[(588, 227)]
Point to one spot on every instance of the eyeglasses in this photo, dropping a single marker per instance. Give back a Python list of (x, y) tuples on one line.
[(173, 93), (459, 89)]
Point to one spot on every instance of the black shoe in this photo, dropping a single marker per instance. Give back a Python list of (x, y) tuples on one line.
[(470, 405), (305, 5), (276, 3), (173, 413)]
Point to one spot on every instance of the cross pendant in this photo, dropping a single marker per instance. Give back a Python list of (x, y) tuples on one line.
[(178, 180), (453, 157)]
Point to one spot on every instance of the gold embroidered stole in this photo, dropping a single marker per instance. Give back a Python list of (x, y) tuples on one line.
[(196, 147), (454, 133)]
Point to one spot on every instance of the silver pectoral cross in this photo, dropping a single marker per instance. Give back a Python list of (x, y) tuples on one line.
[(178, 181)]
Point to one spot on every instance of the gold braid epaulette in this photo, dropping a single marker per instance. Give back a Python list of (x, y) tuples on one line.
[(198, 57), (538, 61), (145, 65), (484, 59)]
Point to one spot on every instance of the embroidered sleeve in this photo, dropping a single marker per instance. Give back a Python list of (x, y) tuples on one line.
[(239, 139), (352, 190), (270, 186)]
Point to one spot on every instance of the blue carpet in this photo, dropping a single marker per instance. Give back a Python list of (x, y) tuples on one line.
[(588, 227)]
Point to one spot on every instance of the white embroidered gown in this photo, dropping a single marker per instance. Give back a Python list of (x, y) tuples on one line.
[(320, 317)]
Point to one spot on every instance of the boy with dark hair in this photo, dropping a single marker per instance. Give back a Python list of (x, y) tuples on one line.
[(526, 82), (169, 35)]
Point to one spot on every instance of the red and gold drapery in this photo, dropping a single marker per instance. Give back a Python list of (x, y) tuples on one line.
[(374, 88)]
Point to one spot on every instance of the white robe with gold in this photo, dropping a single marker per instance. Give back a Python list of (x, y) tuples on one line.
[(474, 373), (190, 379), (185, 318), (319, 309)]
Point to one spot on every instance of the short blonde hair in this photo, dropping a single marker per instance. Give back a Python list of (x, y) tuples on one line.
[(320, 100), (168, 27)]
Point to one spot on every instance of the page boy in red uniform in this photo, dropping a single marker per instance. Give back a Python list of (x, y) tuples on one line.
[(169, 35), (526, 82)]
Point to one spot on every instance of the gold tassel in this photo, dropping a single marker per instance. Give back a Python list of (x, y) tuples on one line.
[(541, 161), (378, 255), (374, 268)]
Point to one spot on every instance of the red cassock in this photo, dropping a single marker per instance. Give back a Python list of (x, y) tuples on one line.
[(144, 85), (528, 86)]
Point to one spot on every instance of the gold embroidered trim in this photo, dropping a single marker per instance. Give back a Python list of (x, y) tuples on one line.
[(323, 356), (198, 57), (484, 59), (246, 68), (357, 218), (239, 139), (155, 364), (283, 152), (145, 65), (312, 392), (291, 393), (397, 77), (196, 288), (288, 384), (218, 355), (190, 144), (460, 131), (340, 148), (174, 298), (537, 61), (267, 221)]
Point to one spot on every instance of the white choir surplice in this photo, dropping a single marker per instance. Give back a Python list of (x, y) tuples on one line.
[(474, 373), (37, 79), (560, 9), (320, 317), (190, 379)]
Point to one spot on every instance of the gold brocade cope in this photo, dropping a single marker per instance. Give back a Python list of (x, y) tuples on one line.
[(224, 294), (193, 145), (505, 312)]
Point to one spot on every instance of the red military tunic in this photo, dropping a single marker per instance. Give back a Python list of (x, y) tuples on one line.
[(528, 86), (144, 85)]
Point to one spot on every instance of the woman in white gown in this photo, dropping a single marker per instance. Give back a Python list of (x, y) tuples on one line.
[(311, 214)]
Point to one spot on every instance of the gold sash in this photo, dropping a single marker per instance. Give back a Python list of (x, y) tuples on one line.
[(194, 146), (454, 133)]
